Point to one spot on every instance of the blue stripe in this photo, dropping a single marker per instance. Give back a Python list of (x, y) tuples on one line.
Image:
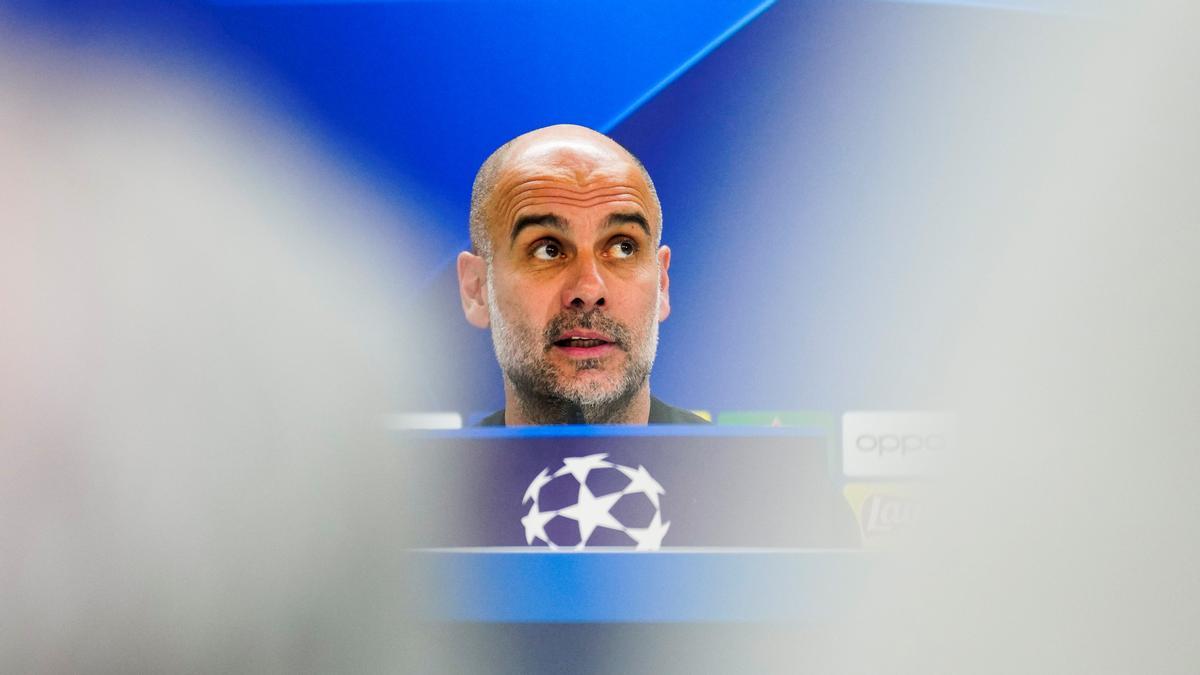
[(685, 66), (633, 587), (603, 431)]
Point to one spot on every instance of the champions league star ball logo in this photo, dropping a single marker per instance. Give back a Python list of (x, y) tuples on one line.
[(593, 501)]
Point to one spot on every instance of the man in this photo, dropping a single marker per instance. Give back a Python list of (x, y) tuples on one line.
[(567, 269)]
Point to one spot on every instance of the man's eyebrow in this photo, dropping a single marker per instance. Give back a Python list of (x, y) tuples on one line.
[(630, 217), (544, 220)]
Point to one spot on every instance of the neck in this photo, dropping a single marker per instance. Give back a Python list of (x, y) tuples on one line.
[(527, 408)]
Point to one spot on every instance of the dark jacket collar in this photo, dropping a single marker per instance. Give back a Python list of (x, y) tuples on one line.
[(660, 413)]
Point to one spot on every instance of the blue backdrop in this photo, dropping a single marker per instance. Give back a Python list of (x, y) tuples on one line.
[(770, 129)]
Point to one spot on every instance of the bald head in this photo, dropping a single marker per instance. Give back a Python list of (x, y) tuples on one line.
[(565, 151)]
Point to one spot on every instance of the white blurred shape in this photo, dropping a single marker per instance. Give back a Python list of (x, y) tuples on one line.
[(198, 333), (430, 421)]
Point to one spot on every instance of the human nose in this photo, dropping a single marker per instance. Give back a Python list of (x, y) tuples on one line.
[(585, 289)]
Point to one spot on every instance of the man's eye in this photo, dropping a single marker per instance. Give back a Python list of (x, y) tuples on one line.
[(623, 249), (547, 250)]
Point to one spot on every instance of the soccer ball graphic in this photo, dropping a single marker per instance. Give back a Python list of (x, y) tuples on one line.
[(593, 501)]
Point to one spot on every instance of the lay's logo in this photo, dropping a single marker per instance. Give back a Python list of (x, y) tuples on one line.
[(882, 509), (885, 513)]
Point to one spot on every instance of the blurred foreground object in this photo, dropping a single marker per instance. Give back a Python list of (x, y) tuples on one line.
[(192, 377), (198, 339), (1062, 537)]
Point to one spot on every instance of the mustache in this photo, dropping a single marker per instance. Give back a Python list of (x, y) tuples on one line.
[(593, 319)]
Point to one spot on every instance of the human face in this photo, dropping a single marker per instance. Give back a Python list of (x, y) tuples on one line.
[(576, 286)]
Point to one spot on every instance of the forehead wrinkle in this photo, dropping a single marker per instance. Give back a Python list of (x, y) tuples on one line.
[(514, 196), (575, 198), (526, 186), (587, 187), (580, 203), (553, 190), (571, 179), (537, 205)]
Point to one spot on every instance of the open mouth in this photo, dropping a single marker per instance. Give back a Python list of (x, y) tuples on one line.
[(581, 342)]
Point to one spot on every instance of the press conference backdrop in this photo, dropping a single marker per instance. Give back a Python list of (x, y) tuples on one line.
[(772, 130), (203, 322)]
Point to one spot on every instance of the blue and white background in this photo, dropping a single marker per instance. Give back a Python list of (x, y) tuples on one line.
[(789, 142), (225, 242)]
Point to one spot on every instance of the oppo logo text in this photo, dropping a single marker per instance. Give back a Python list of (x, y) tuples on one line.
[(883, 444)]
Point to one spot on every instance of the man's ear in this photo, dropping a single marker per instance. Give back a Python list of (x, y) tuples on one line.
[(664, 283), (472, 287)]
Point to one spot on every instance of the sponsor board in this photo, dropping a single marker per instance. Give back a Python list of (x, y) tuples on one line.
[(813, 419), (882, 509), (877, 444)]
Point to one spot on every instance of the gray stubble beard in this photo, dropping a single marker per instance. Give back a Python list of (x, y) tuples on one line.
[(523, 357)]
